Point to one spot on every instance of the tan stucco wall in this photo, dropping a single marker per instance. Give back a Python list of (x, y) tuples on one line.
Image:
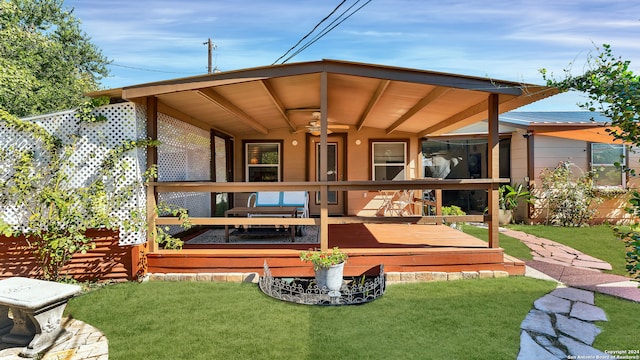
[(550, 151), (358, 161)]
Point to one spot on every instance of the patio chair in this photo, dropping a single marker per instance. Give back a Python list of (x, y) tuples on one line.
[(402, 203)]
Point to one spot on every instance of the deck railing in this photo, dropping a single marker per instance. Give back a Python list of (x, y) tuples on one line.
[(317, 186)]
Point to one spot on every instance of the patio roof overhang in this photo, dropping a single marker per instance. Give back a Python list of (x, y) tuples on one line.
[(255, 101), (589, 132)]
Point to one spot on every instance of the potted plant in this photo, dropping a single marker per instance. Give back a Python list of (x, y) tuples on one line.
[(328, 267), (508, 199)]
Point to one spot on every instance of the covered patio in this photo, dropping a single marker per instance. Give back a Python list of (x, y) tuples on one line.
[(328, 121)]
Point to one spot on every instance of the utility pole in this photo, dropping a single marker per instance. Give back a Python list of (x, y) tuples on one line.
[(210, 47)]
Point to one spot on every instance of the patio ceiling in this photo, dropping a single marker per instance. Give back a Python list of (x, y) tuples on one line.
[(259, 100)]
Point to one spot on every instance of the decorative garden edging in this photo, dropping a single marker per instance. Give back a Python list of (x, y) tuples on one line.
[(356, 290)]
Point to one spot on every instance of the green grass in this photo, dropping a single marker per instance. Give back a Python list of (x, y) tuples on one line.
[(622, 329), (597, 241), (466, 319), (511, 246)]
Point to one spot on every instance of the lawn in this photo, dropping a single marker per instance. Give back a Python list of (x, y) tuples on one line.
[(465, 319), (598, 241), (511, 246)]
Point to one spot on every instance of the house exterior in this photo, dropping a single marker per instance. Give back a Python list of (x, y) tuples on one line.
[(531, 142), (344, 132)]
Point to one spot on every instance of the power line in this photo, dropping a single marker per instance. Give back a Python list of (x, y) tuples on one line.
[(310, 32), (150, 70), (327, 29)]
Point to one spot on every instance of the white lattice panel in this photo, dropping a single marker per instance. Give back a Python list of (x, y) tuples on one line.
[(184, 154), (126, 121)]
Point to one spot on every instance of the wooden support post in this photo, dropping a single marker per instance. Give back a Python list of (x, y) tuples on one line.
[(438, 195), (152, 160), (494, 168), (324, 193)]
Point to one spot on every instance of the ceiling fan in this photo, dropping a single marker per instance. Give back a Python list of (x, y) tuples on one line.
[(314, 125)]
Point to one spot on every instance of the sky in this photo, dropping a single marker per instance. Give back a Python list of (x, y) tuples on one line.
[(508, 40)]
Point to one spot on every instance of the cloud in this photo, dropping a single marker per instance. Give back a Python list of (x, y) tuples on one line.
[(503, 39)]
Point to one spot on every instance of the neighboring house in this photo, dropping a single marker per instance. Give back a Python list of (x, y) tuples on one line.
[(346, 133), (533, 141)]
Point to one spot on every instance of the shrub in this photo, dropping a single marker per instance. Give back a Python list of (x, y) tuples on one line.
[(567, 197)]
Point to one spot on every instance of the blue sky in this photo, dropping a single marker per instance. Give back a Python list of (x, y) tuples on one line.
[(509, 40)]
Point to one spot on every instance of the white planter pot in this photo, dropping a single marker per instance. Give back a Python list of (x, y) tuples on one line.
[(330, 278), (505, 216)]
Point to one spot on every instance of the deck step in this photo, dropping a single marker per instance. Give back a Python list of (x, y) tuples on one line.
[(514, 266)]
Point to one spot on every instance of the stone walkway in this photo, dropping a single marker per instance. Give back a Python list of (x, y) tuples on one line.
[(573, 268), (87, 343), (551, 252), (561, 324)]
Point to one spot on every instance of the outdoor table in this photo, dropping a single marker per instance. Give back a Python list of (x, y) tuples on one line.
[(273, 211), (36, 307)]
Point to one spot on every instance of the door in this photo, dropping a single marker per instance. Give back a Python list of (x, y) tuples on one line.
[(335, 172)]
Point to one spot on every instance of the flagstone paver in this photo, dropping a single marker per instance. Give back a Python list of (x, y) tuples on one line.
[(587, 312), (553, 304), (582, 350), (538, 322), (584, 331), (531, 350)]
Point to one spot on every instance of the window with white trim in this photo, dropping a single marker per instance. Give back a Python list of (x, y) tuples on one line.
[(389, 160), (263, 161), (606, 160)]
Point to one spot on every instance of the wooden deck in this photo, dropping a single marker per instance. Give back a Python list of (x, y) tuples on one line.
[(400, 247)]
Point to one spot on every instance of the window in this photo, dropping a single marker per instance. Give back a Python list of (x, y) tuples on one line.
[(389, 159), (603, 160), (263, 161)]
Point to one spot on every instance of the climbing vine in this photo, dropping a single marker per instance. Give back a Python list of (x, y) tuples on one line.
[(53, 211)]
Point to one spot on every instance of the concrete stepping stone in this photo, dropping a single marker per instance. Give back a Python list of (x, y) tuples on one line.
[(587, 312), (553, 304), (580, 330), (539, 322)]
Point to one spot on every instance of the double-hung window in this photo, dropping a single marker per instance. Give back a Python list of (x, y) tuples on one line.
[(389, 160), (606, 160), (263, 161)]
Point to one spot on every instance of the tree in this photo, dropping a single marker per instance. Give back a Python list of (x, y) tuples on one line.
[(47, 62), (612, 89)]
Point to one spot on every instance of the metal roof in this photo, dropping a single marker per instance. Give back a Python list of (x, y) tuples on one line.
[(533, 118)]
